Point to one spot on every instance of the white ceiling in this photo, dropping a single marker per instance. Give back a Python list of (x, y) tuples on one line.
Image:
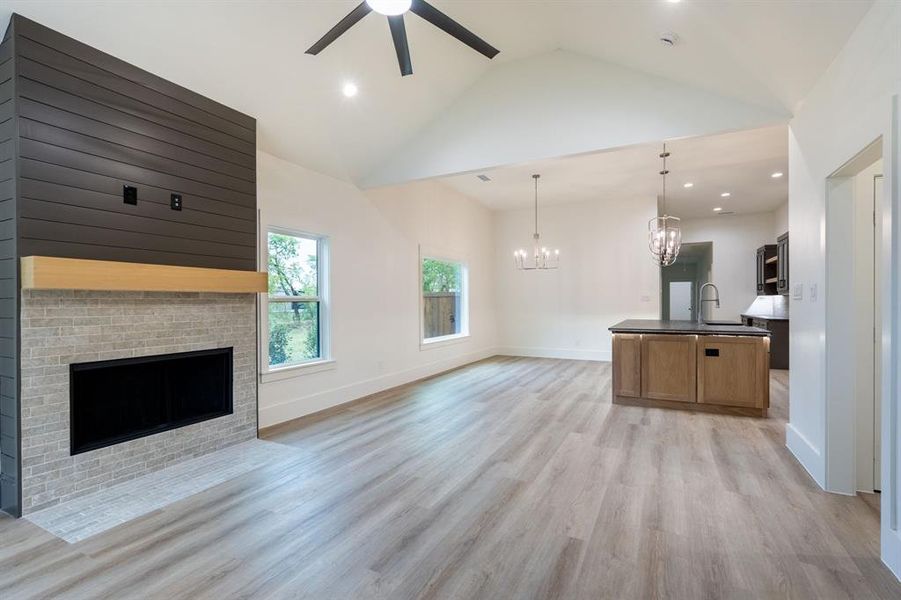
[(740, 163), (250, 55)]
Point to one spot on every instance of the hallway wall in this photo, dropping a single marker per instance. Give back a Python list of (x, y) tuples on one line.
[(853, 104)]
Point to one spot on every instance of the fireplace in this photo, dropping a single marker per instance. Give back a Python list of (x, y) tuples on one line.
[(115, 401)]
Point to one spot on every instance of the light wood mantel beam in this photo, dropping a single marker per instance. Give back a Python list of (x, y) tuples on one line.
[(50, 273)]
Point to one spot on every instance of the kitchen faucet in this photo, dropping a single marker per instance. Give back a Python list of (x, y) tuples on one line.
[(701, 300)]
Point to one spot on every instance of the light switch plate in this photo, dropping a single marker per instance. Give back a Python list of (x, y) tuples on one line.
[(130, 194), (798, 291), (813, 292)]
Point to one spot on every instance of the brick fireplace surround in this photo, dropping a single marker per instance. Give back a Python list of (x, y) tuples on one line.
[(63, 327)]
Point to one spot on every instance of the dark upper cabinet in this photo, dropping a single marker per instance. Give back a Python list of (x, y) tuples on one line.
[(782, 284), (767, 270)]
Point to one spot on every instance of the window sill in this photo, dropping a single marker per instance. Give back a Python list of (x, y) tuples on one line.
[(293, 371), (440, 342)]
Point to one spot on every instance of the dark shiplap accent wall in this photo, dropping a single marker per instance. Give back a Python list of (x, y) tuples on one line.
[(90, 123), (76, 125), (9, 288)]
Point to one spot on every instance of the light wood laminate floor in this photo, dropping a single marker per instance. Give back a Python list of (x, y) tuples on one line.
[(508, 478)]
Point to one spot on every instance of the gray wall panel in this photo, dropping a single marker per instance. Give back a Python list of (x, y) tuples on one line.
[(9, 315)]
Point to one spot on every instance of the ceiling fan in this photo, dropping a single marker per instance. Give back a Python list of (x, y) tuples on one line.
[(395, 10)]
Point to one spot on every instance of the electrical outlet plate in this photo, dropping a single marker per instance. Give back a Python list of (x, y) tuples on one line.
[(175, 201), (129, 194)]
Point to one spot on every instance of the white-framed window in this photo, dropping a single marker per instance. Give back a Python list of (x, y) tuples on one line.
[(444, 299), (295, 310)]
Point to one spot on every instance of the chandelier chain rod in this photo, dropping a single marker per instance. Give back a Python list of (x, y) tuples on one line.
[(664, 177)]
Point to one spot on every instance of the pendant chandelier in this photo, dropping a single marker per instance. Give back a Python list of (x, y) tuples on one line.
[(664, 233), (541, 258)]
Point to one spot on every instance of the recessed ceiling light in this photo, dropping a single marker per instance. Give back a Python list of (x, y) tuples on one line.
[(674, 1), (688, 185), (717, 209), (776, 175), (350, 89), (725, 195)]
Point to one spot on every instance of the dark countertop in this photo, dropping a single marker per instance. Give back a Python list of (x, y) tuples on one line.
[(764, 317), (684, 327)]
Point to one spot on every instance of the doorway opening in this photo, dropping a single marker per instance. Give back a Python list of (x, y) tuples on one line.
[(681, 281), (853, 323)]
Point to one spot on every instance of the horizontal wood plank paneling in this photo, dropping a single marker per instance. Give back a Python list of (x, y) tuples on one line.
[(113, 115), (158, 257), (6, 88), (6, 109), (75, 179), (6, 74), (122, 221), (35, 71), (31, 30), (8, 268), (88, 124), (79, 65), (112, 150), (37, 114), (127, 173), (7, 205), (9, 286), (152, 205), (31, 230)]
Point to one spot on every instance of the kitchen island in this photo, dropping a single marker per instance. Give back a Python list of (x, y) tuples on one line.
[(693, 366)]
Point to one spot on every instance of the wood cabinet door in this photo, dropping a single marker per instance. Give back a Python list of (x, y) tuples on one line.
[(782, 286), (761, 259), (669, 367), (734, 371), (627, 365)]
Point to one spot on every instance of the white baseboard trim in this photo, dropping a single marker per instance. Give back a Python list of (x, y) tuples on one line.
[(806, 453), (565, 353), (306, 405)]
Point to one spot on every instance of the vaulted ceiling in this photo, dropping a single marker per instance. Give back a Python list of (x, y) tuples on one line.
[(250, 55), (740, 164)]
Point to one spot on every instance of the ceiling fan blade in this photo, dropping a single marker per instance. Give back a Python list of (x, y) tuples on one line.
[(399, 33), (451, 27), (343, 25)]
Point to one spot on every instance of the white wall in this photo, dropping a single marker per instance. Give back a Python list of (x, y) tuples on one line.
[(852, 105), (780, 221), (561, 104), (374, 249), (736, 239), (605, 275)]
